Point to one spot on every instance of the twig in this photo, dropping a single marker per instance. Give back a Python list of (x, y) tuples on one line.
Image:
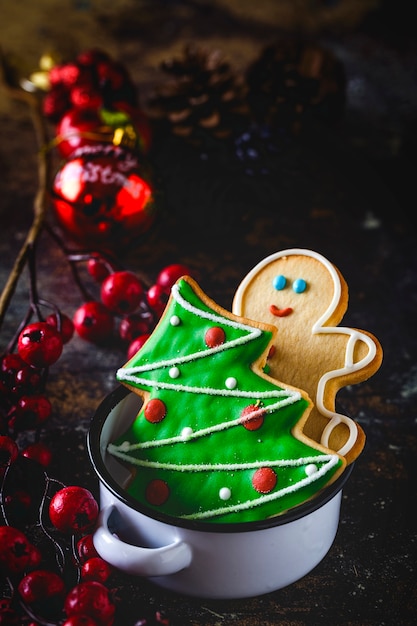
[(40, 205), (75, 257)]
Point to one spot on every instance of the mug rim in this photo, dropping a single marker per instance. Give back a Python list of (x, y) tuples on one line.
[(94, 451)]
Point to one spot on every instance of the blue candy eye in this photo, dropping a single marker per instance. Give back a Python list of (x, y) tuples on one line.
[(299, 285), (279, 282)]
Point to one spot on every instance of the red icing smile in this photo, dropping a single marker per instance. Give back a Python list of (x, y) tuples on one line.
[(280, 312)]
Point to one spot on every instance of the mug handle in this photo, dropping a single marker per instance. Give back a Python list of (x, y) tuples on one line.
[(137, 559)]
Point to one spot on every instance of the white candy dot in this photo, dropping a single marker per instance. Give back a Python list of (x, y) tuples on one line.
[(175, 320), (174, 372), (225, 493), (311, 469), (186, 432), (125, 445), (231, 382)]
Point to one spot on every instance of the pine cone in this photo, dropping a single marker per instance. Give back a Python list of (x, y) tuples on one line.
[(293, 81), (203, 93)]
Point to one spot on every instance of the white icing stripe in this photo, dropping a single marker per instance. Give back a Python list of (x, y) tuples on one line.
[(227, 345), (293, 396), (333, 460), (211, 429), (335, 421), (218, 467)]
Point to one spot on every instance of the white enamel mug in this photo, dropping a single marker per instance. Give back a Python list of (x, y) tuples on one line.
[(218, 561)]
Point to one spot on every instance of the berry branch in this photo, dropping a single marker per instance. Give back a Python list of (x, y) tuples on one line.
[(106, 262), (48, 564)]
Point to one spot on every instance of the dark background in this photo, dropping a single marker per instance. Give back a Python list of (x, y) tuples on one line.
[(347, 192)]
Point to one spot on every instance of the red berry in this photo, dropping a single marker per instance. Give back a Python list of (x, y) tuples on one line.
[(8, 452), (86, 549), (65, 324), (93, 599), (17, 377), (96, 569), (27, 380), (11, 363), (136, 345), (39, 344), (66, 74), (94, 322), (55, 103), (41, 585), (54, 76), (38, 452), (157, 298), (132, 326), (16, 551), (84, 96), (73, 509), (170, 274), (98, 269), (32, 411), (122, 292)]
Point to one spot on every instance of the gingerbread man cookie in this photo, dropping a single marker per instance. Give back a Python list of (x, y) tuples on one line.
[(305, 297)]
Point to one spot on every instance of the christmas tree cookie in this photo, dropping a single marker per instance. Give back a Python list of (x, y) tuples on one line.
[(217, 439)]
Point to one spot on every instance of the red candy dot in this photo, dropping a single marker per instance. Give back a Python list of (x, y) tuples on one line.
[(155, 411), (252, 423), (215, 336), (157, 492), (271, 352), (264, 480)]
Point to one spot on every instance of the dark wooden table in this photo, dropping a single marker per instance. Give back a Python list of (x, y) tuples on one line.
[(348, 193)]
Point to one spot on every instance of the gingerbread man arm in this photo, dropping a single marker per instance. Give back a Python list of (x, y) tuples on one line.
[(352, 371)]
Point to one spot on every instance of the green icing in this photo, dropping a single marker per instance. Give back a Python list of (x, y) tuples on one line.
[(217, 451)]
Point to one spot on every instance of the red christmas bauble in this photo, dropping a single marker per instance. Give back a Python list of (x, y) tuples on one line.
[(83, 126), (78, 127), (102, 197)]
